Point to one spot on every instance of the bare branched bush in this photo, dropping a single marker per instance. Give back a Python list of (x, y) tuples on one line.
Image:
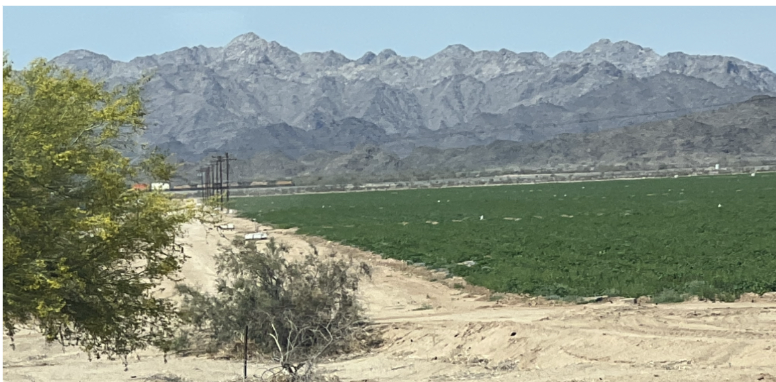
[(296, 311)]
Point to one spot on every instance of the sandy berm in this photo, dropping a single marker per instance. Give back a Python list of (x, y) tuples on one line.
[(435, 331)]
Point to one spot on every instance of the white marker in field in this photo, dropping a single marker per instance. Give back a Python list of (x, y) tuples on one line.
[(752, 174), (482, 217), (719, 206)]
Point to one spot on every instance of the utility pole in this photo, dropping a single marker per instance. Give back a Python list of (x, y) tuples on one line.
[(203, 175), (209, 181), (245, 351), (206, 182), (227, 176), (221, 181), (218, 173), (212, 180), (201, 185)]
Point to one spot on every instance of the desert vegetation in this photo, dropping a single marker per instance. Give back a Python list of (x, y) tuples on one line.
[(85, 254), (82, 252), (291, 313)]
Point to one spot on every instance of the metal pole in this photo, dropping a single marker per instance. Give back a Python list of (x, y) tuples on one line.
[(203, 183), (221, 181), (245, 354), (212, 180), (227, 177), (207, 181)]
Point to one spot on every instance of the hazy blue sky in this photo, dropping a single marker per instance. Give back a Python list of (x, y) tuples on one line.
[(122, 33)]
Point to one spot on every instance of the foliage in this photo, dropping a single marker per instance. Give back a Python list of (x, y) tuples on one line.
[(424, 307), (82, 252), (634, 238), (166, 377), (295, 310), (700, 289), (668, 296)]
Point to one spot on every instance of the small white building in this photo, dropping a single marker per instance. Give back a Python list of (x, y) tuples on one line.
[(160, 186), (256, 236)]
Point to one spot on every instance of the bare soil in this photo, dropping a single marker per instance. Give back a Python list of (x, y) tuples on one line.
[(440, 329)]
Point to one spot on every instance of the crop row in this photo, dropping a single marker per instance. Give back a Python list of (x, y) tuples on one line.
[(630, 238)]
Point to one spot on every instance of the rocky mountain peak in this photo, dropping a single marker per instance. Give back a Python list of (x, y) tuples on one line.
[(247, 39), (385, 55), (366, 59), (623, 54), (83, 53), (251, 49), (507, 52), (454, 51), (327, 59), (603, 48), (97, 64)]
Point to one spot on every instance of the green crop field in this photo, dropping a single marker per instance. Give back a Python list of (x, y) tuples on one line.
[(708, 236)]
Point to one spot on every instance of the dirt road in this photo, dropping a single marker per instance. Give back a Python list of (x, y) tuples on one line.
[(437, 332)]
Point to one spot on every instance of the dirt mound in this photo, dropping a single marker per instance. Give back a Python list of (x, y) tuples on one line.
[(446, 330)]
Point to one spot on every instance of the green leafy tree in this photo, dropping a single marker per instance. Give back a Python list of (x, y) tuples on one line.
[(82, 252)]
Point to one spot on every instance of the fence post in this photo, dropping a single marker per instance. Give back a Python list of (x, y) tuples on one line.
[(245, 355)]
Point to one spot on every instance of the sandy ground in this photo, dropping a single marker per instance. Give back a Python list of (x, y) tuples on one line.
[(436, 332)]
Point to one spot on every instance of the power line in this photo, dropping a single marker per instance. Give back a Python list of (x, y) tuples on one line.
[(228, 185), (611, 118), (219, 189), (213, 176)]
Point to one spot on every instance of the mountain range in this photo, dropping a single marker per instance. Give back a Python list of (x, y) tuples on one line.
[(742, 134), (262, 102)]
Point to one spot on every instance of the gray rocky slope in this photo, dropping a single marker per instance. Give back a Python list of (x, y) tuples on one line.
[(254, 97), (740, 134)]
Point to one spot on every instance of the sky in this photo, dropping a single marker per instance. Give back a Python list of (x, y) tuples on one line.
[(123, 33)]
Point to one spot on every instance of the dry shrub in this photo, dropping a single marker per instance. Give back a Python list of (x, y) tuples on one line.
[(296, 312), (167, 377)]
